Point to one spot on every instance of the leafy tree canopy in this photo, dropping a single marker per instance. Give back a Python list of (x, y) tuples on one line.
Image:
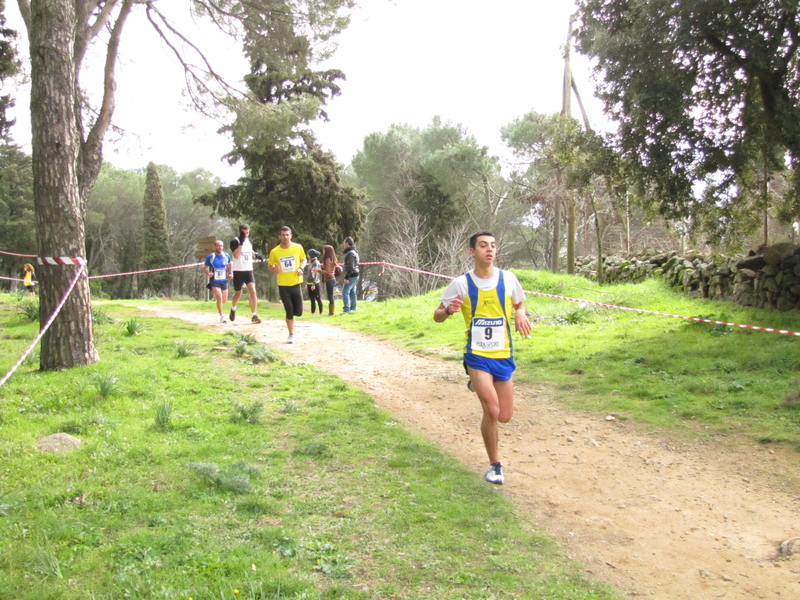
[(299, 187), (697, 88), (17, 218), (9, 65), (290, 179), (555, 147), (426, 187), (437, 171)]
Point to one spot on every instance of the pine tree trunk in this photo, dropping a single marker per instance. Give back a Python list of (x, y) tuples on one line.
[(59, 214)]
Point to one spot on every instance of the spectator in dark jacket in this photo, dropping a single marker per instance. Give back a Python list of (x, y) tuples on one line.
[(351, 274)]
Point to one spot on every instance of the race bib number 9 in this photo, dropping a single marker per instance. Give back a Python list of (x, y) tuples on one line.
[(488, 333), (288, 264)]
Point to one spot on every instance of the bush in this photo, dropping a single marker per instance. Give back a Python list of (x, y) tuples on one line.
[(106, 384), (235, 478), (250, 413), (28, 309), (183, 349), (163, 418), (261, 354), (132, 327)]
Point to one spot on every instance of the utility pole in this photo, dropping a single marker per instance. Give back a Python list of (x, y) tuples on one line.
[(566, 110)]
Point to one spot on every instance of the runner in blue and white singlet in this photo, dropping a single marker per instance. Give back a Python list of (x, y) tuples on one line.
[(217, 266)]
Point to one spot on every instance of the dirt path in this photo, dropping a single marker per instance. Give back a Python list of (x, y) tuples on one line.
[(644, 513)]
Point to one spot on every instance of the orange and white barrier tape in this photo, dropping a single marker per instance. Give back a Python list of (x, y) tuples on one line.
[(60, 260), (15, 254), (614, 306), (146, 271)]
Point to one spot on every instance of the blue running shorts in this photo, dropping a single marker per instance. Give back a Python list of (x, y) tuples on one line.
[(501, 368)]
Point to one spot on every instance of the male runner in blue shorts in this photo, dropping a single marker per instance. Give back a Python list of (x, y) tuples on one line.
[(219, 267), (487, 296)]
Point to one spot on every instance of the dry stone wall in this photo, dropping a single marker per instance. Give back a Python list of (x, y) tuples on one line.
[(769, 278)]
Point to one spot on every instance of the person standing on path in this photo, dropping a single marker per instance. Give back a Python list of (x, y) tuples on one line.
[(351, 274), (219, 267), (313, 281), (487, 296), (288, 259), (329, 268), (243, 255)]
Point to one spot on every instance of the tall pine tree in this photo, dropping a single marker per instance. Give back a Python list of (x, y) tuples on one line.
[(155, 236)]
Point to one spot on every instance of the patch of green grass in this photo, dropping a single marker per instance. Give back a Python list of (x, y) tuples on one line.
[(327, 501)]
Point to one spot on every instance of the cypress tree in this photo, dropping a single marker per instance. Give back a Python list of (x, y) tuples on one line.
[(155, 237)]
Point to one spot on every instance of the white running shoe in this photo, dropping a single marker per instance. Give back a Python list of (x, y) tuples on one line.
[(290, 340), (495, 474)]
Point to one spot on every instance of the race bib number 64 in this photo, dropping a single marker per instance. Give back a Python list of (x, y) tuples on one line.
[(488, 333), (288, 264)]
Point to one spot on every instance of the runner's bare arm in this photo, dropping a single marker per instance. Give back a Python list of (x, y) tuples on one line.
[(442, 312), (521, 322)]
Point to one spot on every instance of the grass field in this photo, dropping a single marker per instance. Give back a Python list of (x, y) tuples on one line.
[(236, 474), (213, 474)]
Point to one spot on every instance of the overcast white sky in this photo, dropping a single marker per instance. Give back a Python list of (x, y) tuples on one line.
[(481, 64)]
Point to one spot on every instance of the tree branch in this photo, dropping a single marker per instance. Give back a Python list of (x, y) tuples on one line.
[(91, 30), (788, 23), (91, 155), (189, 69), (25, 11), (722, 48)]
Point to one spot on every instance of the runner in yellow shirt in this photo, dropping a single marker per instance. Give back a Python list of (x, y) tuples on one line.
[(288, 260)]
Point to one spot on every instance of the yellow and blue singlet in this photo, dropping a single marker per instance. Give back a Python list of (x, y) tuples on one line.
[(487, 314)]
